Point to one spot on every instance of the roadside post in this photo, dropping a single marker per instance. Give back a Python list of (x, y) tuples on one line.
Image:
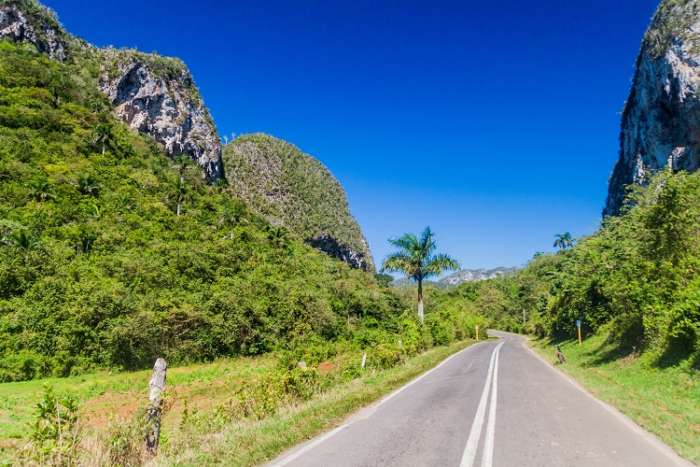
[(477, 331), (155, 406), (578, 330), (364, 359)]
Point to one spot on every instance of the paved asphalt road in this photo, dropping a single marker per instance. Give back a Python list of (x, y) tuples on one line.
[(495, 403)]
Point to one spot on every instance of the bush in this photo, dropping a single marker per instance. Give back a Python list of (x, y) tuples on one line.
[(124, 441), (23, 365), (56, 434)]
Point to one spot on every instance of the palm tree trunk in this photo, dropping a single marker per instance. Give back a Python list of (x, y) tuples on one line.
[(179, 195), (421, 314)]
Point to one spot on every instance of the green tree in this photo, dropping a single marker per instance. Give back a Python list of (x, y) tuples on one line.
[(564, 241), (102, 135), (182, 164), (417, 259)]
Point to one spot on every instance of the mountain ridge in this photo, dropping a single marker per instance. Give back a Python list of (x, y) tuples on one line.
[(157, 96)]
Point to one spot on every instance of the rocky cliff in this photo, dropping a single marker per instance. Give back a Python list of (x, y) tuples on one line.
[(157, 96), (295, 190), (661, 119), (27, 21), (152, 94)]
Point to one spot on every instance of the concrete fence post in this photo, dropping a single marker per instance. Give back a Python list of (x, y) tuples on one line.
[(155, 405)]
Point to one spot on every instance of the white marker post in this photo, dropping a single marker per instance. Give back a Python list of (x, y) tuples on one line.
[(476, 327), (578, 330)]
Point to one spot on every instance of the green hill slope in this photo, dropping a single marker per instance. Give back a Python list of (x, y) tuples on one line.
[(295, 190), (98, 269)]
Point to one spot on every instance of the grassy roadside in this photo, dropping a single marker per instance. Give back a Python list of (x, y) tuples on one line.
[(200, 426), (665, 401), (251, 442)]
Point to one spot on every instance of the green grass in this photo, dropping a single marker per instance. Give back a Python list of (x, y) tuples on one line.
[(105, 396), (664, 401), (203, 389)]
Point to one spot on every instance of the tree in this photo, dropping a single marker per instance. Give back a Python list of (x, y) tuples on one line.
[(102, 135), (564, 241), (183, 163), (417, 259)]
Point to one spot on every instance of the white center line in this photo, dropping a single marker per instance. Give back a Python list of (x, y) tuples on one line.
[(473, 441), (487, 459)]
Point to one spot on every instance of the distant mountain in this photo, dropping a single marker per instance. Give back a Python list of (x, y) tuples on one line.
[(465, 275), (473, 275), (405, 282)]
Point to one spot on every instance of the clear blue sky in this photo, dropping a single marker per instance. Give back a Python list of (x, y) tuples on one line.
[(495, 122)]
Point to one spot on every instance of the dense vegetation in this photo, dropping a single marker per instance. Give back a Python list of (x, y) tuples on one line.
[(98, 269), (636, 280), (293, 189)]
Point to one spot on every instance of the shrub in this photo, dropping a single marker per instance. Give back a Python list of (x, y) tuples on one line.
[(55, 435), (124, 442)]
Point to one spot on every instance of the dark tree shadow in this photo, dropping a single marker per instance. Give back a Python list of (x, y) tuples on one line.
[(624, 340), (677, 350)]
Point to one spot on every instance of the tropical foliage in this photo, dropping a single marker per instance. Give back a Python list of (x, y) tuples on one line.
[(416, 258), (637, 279), (564, 241), (292, 189), (111, 254)]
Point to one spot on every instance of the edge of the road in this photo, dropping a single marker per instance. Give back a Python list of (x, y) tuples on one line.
[(299, 450), (649, 437)]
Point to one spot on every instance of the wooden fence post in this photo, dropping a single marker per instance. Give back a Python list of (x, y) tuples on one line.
[(155, 406)]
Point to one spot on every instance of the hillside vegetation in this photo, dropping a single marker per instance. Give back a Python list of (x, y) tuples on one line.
[(637, 279), (97, 268), (635, 285), (295, 190)]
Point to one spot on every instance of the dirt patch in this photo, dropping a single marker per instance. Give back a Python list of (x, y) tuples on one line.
[(326, 367)]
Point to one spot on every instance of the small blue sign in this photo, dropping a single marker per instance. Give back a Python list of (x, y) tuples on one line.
[(578, 323)]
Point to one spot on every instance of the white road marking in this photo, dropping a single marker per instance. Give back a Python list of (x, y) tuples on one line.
[(624, 419), (487, 459), (309, 446), (312, 444), (475, 433)]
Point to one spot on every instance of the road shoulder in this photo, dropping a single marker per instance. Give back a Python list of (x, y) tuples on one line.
[(541, 355)]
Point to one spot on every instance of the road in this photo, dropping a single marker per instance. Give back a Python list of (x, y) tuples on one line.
[(493, 404)]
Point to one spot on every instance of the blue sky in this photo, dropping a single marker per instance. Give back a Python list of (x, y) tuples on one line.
[(494, 122)]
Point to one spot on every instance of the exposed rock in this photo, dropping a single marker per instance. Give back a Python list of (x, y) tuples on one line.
[(27, 21), (157, 96), (152, 94), (295, 190), (334, 248), (661, 119)]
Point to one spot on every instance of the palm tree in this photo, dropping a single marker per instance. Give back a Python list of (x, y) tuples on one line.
[(417, 259), (564, 241), (102, 135), (182, 164)]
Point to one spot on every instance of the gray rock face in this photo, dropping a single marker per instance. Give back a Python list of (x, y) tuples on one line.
[(163, 103), (661, 119), (153, 95), (331, 246), (22, 21)]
